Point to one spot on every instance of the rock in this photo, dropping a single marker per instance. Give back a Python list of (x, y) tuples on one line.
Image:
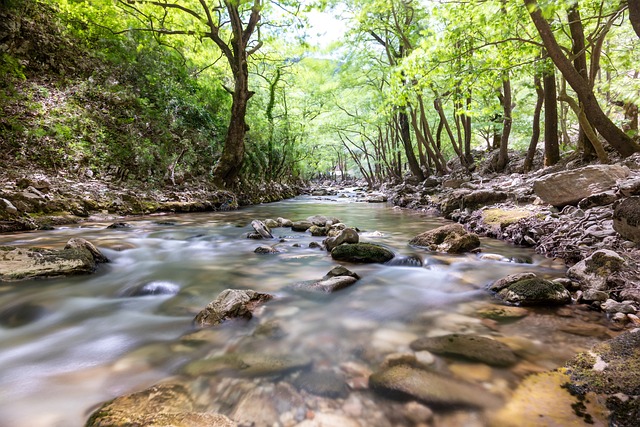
[(545, 400), (321, 220), (471, 347), (595, 271), (7, 206), (301, 225), (630, 187), (502, 218), (320, 192), (340, 271), (376, 198), (430, 387), (262, 406), (347, 235), (314, 245), (21, 263), (329, 285), (480, 198), (509, 280), (117, 225), (322, 383), (611, 306), (406, 261), (158, 287), (261, 229), (362, 253), (626, 219), (247, 365), (271, 223), (535, 292), (264, 249), (21, 314), (80, 243), (284, 222), (503, 312), (452, 238), (230, 304), (600, 199), (569, 187), (318, 231), (592, 295), (167, 405)]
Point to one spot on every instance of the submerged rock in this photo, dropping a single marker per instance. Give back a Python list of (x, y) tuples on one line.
[(535, 291), (166, 405), (18, 315), (76, 258), (322, 383), (362, 253), (452, 238), (157, 287), (471, 347), (430, 387), (229, 304), (247, 365), (336, 279), (503, 312), (347, 235), (569, 187)]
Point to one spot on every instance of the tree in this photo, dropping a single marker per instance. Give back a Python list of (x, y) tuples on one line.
[(620, 141), (232, 26)]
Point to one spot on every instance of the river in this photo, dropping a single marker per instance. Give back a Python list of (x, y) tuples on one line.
[(86, 339)]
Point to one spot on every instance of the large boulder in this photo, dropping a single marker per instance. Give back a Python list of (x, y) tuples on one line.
[(78, 257), (569, 187), (230, 304), (362, 253), (595, 271), (430, 387), (452, 238), (348, 235), (470, 347), (626, 219), (166, 405)]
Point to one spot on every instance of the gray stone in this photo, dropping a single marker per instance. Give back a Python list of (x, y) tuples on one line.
[(80, 243), (594, 271), (264, 249), (318, 231), (261, 229), (509, 280), (328, 285), (471, 347), (247, 365), (8, 207), (376, 198), (611, 306), (361, 253), (347, 235), (626, 219), (452, 238), (592, 295), (430, 387), (535, 291), (229, 304), (630, 187), (285, 222), (301, 225), (600, 199), (569, 187), (21, 263), (271, 223)]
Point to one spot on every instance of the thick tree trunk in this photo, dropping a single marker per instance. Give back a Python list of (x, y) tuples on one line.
[(634, 15), (620, 141), (405, 134), (535, 128), (551, 146)]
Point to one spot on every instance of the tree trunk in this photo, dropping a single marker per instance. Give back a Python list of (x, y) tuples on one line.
[(620, 141), (551, 146), (535, 129), (634, 15), (405, 134), (503, 156)]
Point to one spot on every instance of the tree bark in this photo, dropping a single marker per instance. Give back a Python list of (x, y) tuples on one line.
[(503, 155), (405, 134), (551, 145), (535, 128), (634, 15), (603, 124)]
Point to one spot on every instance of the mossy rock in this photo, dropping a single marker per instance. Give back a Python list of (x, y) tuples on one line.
[(502, 218), (362, 253), (535, 291), (451, 238), (470, 347)]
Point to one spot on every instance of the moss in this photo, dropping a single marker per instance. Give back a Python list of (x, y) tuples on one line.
[(503, 217), (361, 252), (603, 264), (536, 288)]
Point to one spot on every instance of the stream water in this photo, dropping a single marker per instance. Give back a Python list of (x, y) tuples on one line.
[(87, 339)]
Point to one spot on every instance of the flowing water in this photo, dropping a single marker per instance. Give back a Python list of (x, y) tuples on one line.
[(83, 340)]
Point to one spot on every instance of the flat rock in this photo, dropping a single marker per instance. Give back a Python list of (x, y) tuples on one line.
[(430, 387), (229, 304), (330, 285), (626, 219), (166, 405), (247, 365), (451, 238), (569, 187), (471, 347), (347, 235), (362, 253)]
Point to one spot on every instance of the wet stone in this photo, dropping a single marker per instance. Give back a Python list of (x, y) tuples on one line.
[(322, 383), (18, 315), (247, 365), (452, 238), (362, 253), (117, 225), (230, 303), (471, 347), (157, 287), (535, 292), (502, 313)]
